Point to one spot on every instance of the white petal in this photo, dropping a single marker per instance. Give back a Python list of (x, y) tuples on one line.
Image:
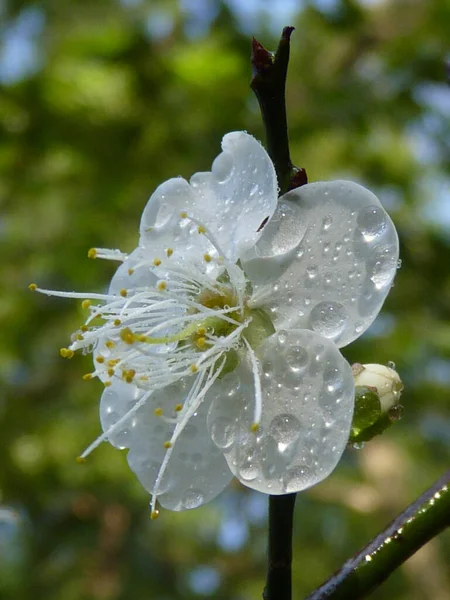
[(129, 276), (231, 201), (333, 274), (196, 471), (308, 398)]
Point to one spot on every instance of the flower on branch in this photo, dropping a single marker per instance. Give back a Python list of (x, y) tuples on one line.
[(218, 339)]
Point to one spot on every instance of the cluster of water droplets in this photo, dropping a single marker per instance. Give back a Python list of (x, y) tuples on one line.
[(338, 265), (307, 389)]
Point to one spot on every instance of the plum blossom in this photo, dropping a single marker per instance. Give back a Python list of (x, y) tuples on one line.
[(218, 338)]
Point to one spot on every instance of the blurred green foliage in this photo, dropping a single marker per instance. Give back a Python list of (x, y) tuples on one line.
[(100, 102)]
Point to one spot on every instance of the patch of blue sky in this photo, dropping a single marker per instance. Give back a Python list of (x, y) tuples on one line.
[(275, 14), (233, 533), (204, 580), (20, 54), (159, 23), (436, 210)]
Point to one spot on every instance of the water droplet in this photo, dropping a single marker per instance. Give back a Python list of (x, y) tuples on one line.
[(298, 478), (282, 337), (391, 365), (359, 327), (223, 432), (285, 429), (297, 359), (326, 223), (371, 222), (399, 263), (248, 470), (328, 319), (312, 272), (192, 499), (384, 266), (395, 413), (300, 252), (358, 446)]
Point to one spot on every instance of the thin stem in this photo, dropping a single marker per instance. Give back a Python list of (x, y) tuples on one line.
[(420, 522), (279, 568), (269, 84)]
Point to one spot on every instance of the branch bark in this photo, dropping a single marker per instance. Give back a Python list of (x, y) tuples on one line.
[(413, 528)]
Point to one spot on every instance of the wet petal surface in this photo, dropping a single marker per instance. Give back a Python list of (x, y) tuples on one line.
[(308, 397), (196, 471), (231, 201), (332, 272)]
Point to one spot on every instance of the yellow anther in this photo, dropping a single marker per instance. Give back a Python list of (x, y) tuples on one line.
[(87, 376), (92, 253), (112, 362), (178, 407), (201, 331), (81, 460), (154, 514), (66, 353), (156, 262), (117, 322), (110, 344), (130, 271), (84, 328), (254, 427), (169, 252), (127, 336), (201, 229), (123, 292), (110, 372), (107, 384), (100, 359), (85, 304), (201, 342), (194, 368), (80, 338), (207, 257), (167, 445), (158, 412), (32, 287), (162, 285), (183, 215), (129, 375)]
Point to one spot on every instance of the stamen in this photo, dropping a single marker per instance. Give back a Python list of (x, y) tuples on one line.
[(193, 402), (115, 427), (257, 383)]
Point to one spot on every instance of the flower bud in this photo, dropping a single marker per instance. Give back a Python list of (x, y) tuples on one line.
[(386, 381), (377, 392)]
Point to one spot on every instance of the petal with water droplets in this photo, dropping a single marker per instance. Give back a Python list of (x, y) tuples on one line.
[(308, 398), (337, 267)]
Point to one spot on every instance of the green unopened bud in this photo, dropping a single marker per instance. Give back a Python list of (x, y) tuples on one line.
[(377, 393)]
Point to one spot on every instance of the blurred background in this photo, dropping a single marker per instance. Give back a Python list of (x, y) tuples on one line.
[(99, 103)]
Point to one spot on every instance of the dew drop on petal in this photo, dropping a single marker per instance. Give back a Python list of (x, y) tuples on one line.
[(285, 429), (328, 319), (223, 432), (384, 267), (372, 222), (192, 498), (326, 223)]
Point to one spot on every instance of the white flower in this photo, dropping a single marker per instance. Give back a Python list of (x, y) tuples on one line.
[(218, 338)]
